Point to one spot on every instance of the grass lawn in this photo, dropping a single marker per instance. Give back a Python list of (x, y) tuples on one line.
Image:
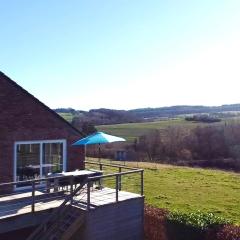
[(188, 189)]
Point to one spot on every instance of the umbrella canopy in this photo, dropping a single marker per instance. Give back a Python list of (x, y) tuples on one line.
[(98, 138)]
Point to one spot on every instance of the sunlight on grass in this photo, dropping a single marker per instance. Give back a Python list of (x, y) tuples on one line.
[(186, 189)]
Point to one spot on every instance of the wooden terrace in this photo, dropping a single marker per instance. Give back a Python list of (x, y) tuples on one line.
[(94, 190)]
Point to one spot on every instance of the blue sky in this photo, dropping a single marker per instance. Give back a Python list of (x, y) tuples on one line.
[(123, 54)]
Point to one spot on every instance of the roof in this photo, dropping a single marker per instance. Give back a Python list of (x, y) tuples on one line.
[(39, 102)]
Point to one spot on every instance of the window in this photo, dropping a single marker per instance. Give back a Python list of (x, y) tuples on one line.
[(38, 158), (52, 158)]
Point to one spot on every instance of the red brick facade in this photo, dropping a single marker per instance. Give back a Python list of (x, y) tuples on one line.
[(24, 118)]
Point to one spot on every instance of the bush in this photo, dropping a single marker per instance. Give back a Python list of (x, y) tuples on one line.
[(154, 223), (228, 232), (203, 118), (159, 224), (197, 219), (192, 226)]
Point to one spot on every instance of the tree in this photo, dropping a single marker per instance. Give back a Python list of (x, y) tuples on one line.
[(83, 126)]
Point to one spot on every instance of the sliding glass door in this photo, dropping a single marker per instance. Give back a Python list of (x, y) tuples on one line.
[(38, 158), (52, 158), (28, 155)]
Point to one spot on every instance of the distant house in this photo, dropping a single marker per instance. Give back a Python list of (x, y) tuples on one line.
[(34, 140)]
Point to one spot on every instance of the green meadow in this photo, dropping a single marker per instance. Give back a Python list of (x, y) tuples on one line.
[(186, 189), (130, 131), (67, 116)]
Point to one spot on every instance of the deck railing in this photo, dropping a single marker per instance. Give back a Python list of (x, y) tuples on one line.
[(42, 191), (119, 174)]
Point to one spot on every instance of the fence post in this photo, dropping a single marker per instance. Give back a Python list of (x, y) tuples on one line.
[(116, 187), (142, 183), (120, 179), (88, 195), (33, 196)]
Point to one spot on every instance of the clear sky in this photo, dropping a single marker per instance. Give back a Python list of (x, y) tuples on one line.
[(123, 54)]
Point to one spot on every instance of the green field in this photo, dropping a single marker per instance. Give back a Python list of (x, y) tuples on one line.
[(67, 116), (130, 131), (188, 189)]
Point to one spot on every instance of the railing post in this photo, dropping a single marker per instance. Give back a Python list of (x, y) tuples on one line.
[(48, 185), (56, 184), (116, 187), (71, 188), (88, 195), (120, 179), (33, 196), (142, 183), (100, 166)]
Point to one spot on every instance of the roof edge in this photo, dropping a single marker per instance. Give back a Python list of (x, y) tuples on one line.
[(41, 103)]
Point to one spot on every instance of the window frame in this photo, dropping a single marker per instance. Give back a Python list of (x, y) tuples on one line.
[(40, 142)]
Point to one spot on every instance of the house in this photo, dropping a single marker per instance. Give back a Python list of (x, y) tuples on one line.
[(34, 140)]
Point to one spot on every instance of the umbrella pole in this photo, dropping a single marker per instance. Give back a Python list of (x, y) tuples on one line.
[(85, 152)]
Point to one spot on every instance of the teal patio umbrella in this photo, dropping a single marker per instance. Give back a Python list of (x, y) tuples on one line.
[(98, 138)]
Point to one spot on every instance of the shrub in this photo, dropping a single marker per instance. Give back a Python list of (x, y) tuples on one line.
[(159, 224), (203, 118), (197, 219), (225, 232), (229, 232), (154, 223), (192, 226)]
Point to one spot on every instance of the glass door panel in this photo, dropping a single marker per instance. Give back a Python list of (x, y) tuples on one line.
[(52, 158), (28, 162), (37, 159)]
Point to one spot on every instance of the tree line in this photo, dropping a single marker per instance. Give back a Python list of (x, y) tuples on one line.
[(210, 146)]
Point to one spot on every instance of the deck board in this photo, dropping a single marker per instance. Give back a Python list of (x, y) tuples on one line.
[(20, 203)]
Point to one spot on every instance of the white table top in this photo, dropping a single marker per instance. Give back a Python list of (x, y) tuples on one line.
[(43, 165), (74, 173)]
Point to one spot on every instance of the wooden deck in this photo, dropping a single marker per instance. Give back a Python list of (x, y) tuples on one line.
[(20, 203), (99, 198)]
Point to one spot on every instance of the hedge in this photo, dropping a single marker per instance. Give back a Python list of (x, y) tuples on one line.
[(160, 224)]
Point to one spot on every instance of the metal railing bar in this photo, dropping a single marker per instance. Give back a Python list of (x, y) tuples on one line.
[(39, 180), (110, 165), (133, 170), (114, 174)]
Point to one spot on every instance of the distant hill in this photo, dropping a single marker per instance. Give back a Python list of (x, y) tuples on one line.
[(104, 116), (174, 111), (99, 116)]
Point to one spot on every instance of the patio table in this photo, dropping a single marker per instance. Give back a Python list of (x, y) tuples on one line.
[(78, 177), (37, 166)]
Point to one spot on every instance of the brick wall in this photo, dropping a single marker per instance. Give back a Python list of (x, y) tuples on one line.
[(24, 118)]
